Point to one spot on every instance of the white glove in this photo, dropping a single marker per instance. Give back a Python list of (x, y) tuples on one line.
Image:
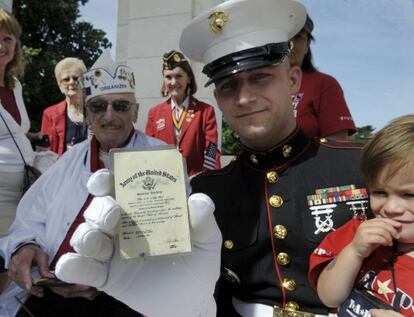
[(157, 286)]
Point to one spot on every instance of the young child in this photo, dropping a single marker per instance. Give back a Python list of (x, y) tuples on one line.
[(377, 254)]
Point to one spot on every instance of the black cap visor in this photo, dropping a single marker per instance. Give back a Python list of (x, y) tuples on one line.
[(269, 54)]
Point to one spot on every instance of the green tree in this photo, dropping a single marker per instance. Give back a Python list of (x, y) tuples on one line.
[(363, 134), (51, 32), (230, 144), (231, 141)]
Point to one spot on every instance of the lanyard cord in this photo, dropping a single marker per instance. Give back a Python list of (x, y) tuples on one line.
[(393, 259)]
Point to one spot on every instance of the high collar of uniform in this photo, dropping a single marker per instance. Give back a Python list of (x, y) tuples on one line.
[(280, 155)]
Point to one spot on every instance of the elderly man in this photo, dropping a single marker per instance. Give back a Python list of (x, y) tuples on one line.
[(59, 202)]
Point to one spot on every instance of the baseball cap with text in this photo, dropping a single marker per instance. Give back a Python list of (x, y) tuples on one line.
[(106, 77)]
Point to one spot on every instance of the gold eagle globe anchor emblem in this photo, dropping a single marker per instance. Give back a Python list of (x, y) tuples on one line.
[(218, 20)]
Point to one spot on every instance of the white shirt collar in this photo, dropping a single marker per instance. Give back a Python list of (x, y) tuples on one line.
[(185, 103)]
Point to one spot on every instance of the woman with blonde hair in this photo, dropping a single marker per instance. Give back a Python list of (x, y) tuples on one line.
[(15, 148), (14, 121)]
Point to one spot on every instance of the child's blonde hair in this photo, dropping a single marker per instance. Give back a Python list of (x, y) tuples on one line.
[(392, 146)]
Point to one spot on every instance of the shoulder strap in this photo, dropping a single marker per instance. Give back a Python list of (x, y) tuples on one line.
[(11, 134)]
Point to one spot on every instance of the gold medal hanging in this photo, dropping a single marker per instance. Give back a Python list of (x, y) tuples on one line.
[(180, 121)]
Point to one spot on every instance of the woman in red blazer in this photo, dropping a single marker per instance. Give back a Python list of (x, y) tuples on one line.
[(64, 122), (183, 120)]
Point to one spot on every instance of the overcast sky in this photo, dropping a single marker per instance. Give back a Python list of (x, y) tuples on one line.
[(368, 45)]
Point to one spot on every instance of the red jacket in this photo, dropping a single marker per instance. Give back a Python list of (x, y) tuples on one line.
[(54, 125), (198, 137)]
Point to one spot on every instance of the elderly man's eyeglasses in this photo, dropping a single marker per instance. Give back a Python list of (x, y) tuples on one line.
[(66, 80), (102, 105)]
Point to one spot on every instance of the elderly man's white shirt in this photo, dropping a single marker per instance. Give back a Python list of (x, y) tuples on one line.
[(49, 208)]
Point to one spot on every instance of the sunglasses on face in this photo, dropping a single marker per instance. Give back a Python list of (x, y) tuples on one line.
[(102, 105), (66, 80)]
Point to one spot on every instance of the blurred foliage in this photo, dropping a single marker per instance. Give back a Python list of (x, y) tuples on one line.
[(363, 134), (51, 32), (230, 140)]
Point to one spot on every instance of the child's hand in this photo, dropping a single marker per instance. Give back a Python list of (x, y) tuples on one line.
[(374, 233)]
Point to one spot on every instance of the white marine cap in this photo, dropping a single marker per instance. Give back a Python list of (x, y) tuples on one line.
[(106, 77), (239, 35)]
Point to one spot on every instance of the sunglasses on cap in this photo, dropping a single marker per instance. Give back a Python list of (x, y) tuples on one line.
[(102, 105)]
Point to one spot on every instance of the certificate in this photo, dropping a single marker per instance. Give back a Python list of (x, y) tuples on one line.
[(150, 186)]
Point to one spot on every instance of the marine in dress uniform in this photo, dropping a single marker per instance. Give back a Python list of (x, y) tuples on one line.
[(273, 205), (273, 209)]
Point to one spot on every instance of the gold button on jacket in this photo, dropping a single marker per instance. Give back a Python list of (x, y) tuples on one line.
[(323, 140), (276, 201), (228, 244), (272, 177), (292, 306), (289, 284), (283, 258), (280, 232)]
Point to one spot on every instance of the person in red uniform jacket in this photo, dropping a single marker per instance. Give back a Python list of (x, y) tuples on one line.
[(64, 123), (319, 106), (183, 120)]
